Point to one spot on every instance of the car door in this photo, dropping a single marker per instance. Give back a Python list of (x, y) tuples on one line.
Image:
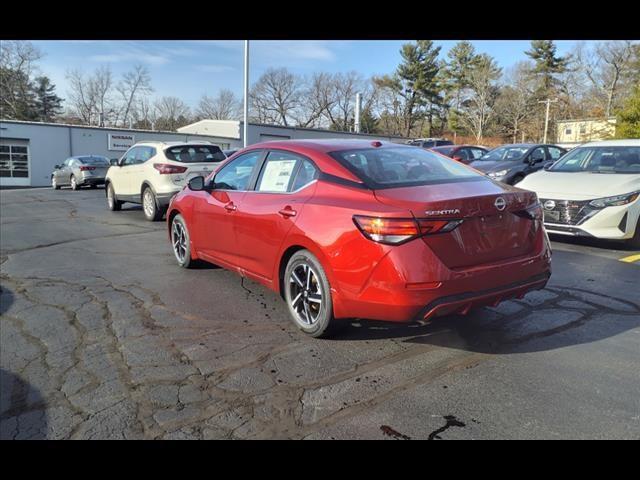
[(535, 159), (121, 175), (268, 212), (136, 173), (64, 174), (215, 210), (58, 173)]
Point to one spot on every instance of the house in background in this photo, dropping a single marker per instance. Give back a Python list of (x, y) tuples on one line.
[(585, 130)]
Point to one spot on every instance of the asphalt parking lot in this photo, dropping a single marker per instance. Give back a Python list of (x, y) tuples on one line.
[(102, 335)]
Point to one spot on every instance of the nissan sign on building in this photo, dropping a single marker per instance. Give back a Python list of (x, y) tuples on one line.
[(121, 141)]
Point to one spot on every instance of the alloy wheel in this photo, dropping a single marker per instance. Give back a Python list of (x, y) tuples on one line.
[(306, 294), (148, 203), (110, 196), (179, 240), (74, 185), (54, 183)]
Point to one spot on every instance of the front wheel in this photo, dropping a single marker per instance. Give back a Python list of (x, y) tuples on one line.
[(74, 183), (635, 240), (308, 295), (54, 183), (150, 206), (181, 241)]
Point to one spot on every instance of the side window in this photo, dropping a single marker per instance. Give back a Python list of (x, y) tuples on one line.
[(477, 153), (307, 173), (463, 153), (277, 172), (67, 162), (144, 154), (537, 154), (130, 156), (554, 153), (236, 175)]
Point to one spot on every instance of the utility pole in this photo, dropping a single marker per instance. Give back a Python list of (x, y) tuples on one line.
[(546, 117), (245, 132), (357, 119)]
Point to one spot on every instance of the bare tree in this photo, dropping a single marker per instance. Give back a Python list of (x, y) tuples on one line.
[(172, 113), (90, 97), (514, 102), (606, 66), (225, 106), (134, 84), (17, 65), (479, 98), (345, 88), (275, 96)]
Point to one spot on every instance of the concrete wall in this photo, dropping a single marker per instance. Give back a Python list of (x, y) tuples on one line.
[(50, 144)]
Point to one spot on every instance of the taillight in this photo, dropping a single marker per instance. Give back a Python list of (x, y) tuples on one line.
[(394, 231), (534, 212), (84, 168), (168, 169)]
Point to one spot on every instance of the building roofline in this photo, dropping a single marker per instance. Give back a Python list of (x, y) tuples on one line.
[(112, 129), (586, 120)]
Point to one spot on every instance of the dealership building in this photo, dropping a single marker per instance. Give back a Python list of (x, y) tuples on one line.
[(29, 150)]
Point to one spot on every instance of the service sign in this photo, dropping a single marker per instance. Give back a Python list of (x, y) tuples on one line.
[(121, 141)]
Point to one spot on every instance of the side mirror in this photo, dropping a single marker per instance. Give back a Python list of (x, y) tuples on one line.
[(113, 161), (196, 183), (57, 167), (548, 165)]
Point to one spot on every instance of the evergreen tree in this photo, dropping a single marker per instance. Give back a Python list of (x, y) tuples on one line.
[(46, 103), (628, 125), (462, 58), (548, 66)]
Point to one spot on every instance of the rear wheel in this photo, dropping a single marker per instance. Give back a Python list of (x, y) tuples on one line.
[(150, 206), (74, 183), (181, 241), (112, 202), (308, 295)]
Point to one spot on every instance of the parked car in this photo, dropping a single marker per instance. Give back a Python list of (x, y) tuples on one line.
[(462, 153), (511, 163), (358, 229), (429, 142), (79, 171), (594, 190), (151, 173), (228, 153)]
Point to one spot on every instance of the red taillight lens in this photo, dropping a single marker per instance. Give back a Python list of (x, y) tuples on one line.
[(84, 168), (168, 169), (398, 230)]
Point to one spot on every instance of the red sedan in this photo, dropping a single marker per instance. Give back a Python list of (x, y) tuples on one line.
[(358, 229), (462, 153)]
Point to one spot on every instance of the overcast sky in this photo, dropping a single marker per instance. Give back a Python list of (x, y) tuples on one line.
[(188, 69)]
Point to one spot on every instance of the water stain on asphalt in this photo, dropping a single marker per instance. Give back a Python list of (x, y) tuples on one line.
[(452, 421)]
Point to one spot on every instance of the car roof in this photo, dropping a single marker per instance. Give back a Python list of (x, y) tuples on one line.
[(629, 142), (155, 143), (327, 145)]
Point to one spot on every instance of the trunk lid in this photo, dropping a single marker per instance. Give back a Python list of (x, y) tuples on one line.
[(487, 233), (193, 170)]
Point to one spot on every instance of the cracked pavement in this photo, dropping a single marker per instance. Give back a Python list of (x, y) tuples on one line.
[(103, 336)]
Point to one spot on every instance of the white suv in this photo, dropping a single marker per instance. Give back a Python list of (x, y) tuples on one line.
[(151, 173)]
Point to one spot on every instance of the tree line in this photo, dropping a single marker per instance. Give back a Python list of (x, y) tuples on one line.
[(465, 93)]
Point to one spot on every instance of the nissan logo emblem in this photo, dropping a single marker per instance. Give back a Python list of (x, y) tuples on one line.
[(549, 205), (500, 203)]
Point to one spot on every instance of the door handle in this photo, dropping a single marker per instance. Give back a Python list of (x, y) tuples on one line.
[(230, 207), (287, 212)]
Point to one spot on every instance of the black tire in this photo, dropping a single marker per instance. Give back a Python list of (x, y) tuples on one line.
[(94, 186), (181, 242), (311, 296), (517, 179), (113, 203), (54, 183), (635, 240), (73, 183), (150, 205)]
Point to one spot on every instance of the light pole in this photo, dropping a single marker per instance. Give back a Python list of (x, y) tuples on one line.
[(357, 114), (546, 117), (245, 131)]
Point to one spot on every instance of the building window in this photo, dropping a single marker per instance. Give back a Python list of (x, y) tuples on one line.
[(583, 129), (567, 131), (14, 161)]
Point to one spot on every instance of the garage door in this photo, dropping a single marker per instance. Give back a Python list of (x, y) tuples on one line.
[(14, 162)]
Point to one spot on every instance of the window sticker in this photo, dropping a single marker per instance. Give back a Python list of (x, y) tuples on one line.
[(276, 175)]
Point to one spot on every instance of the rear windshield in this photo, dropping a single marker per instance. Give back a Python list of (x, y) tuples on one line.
[(100, 161), (403, 166), (195, 154), (600, 160)]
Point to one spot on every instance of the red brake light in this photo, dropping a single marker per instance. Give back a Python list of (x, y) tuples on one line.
[(394, 231), (168, 169), (84, 168)]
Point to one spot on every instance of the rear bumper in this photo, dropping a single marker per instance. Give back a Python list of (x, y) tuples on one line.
[(462, 303), (92, 180)]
